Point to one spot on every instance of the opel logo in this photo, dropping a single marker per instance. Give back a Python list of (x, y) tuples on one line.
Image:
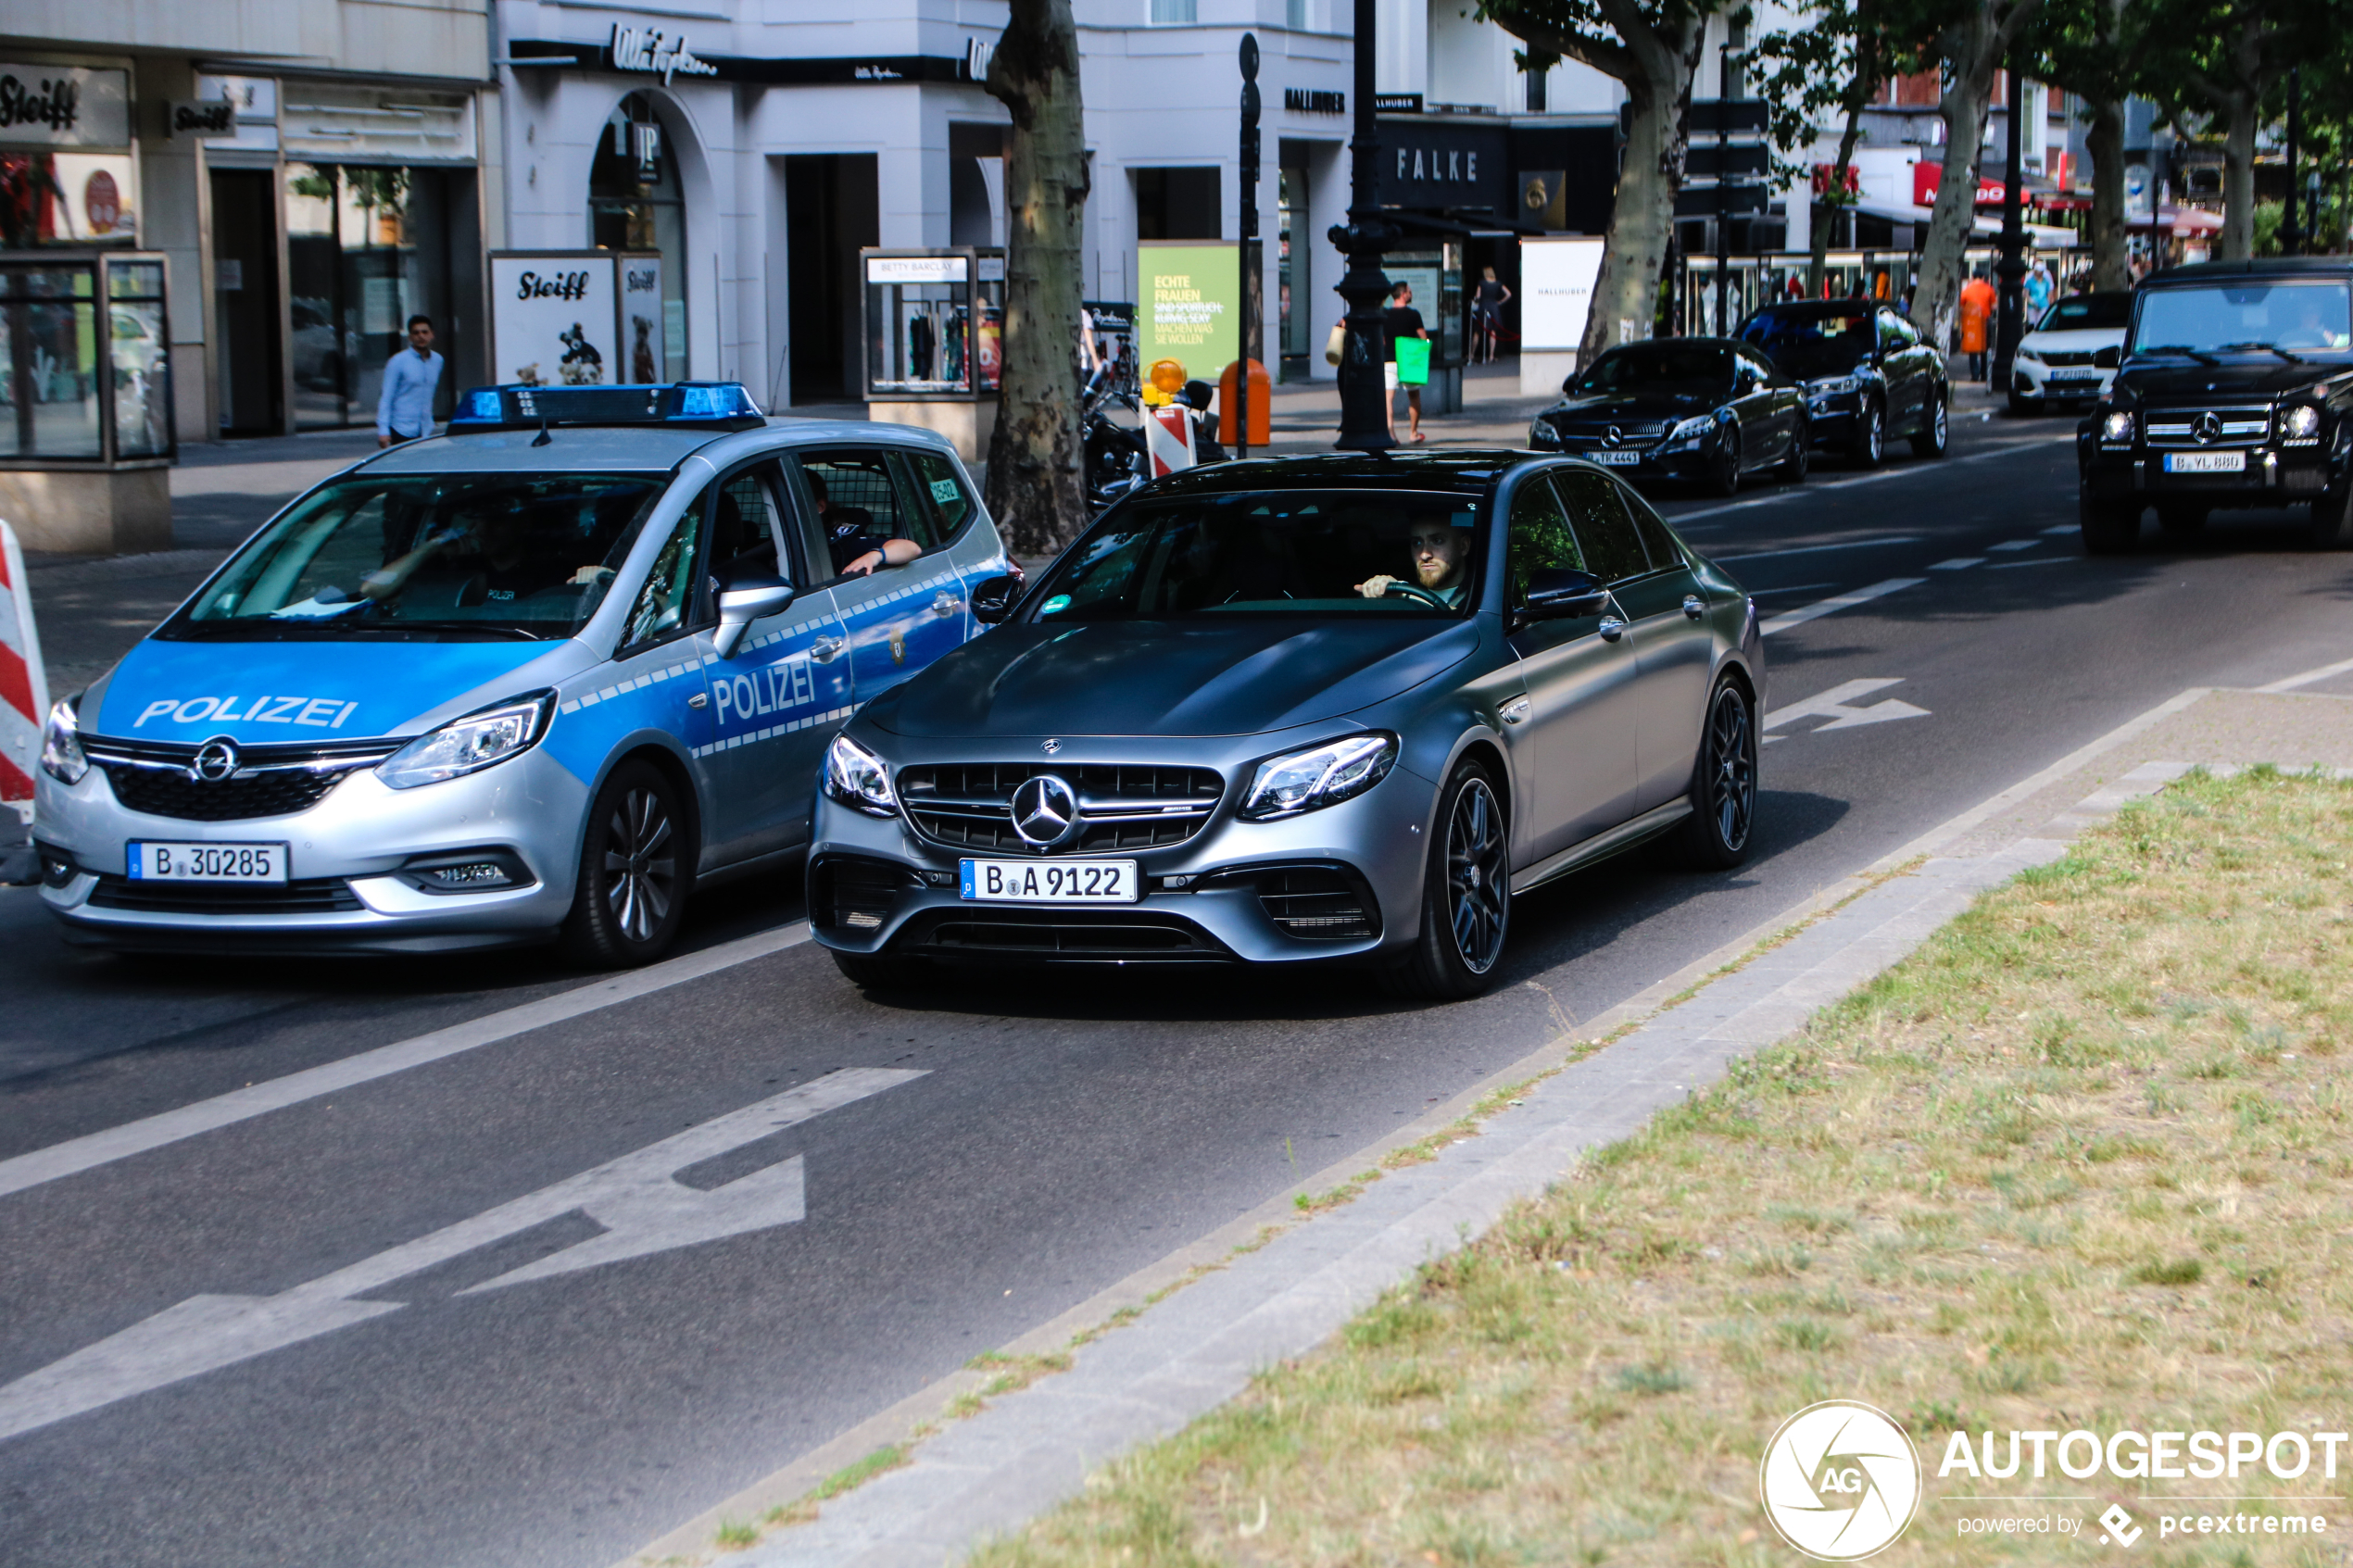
[(1045, 811), (2207, 427), (215, 760), (1613, 437)]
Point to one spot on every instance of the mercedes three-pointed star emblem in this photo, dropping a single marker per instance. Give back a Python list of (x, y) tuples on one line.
[(1045, 811), (2206, 428)]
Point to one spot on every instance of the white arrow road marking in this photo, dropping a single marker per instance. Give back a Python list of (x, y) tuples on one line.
[(1837, 705), (637, 1199)]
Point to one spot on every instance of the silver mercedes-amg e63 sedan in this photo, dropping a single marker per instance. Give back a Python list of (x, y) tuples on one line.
[(1298, 709)]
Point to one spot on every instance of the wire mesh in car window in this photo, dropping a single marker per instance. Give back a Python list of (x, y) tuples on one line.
[(859, 483)]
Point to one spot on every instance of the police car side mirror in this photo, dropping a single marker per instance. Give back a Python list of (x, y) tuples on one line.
[(754, 599), (993, 599)]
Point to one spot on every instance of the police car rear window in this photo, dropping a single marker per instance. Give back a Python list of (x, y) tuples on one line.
[(450, 556)]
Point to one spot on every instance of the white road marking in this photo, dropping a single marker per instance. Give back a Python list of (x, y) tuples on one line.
[(1798, 616), (638, 1199), (76, 1155), (2063, 528), (2038, 560), (2012, 545), (1793, 588), (1803, 491), (2307, 677), (1957, 563), (1837, 705), (1817, 549)]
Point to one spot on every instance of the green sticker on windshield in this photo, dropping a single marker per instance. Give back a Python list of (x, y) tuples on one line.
[(944, 491), (1059, 602)]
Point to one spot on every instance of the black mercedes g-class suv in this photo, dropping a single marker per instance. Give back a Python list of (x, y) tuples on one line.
[(2236, 390)]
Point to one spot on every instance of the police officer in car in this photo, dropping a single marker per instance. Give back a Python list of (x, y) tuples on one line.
[(851, 533)]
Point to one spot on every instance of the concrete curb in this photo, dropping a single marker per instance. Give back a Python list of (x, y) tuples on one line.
[(1199, 1346)]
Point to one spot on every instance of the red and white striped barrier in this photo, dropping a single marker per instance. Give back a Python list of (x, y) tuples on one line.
[(24, 690), (1168, 437)]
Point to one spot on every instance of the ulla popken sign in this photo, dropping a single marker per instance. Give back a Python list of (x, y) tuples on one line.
[(654, 52)]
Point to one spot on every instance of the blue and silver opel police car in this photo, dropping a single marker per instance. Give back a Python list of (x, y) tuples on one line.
[(534, 678)]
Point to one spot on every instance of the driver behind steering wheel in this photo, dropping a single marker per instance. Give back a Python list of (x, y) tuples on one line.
[(1440, 552)]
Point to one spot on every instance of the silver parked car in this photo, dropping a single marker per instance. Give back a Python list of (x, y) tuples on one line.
[(1295, 709)]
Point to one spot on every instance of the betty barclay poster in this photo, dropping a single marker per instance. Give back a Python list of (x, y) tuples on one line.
[(555, 317), (1189, 306)]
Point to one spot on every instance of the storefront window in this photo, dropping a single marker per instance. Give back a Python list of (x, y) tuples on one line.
[(367, 247), (635, 202), (67, 199), (141, 360), (65, 347)]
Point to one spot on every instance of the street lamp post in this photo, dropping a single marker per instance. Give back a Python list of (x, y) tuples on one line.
[(2010, 318), (1724, 190), (1363, 400)]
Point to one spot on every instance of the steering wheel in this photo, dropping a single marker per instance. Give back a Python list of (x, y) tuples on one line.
[(1408, 591)]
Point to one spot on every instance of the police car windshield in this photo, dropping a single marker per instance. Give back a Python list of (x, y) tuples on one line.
[(453, 557), (1294, 552)]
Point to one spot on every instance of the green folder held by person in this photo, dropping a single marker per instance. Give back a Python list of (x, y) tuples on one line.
[(1412, 361)]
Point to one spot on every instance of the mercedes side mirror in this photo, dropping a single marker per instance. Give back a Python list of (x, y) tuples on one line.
[(753, 598), (1557, 591), (993, 598)]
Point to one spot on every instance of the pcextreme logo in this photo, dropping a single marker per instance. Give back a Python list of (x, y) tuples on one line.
[(1840, 1481)]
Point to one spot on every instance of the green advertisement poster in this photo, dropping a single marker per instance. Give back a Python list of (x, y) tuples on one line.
[(1189, 306)]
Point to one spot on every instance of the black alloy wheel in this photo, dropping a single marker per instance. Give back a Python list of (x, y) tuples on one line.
[(636, 867), (1714, 837), (1800, 456), (1870, 434), (1724, 468), (2111, 528), (1935, 437), (2180, 519), (2332, 519), (1467, 895)]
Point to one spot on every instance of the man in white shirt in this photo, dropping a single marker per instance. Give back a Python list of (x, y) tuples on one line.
[(404, 413)]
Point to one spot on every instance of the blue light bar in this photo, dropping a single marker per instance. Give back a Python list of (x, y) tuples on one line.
[(726, 405)]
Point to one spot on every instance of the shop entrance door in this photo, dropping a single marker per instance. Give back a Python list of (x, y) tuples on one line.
[(832, 205), (247, 343)]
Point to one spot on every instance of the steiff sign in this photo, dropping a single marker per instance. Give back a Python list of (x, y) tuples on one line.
[(64, 106)]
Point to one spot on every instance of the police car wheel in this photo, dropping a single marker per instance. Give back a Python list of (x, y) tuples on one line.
[(636, 866)]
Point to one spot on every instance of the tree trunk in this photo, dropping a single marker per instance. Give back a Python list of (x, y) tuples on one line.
[(2104, 140), (1036, 488), (1642, 219), (1972, 48), (2238, 177)]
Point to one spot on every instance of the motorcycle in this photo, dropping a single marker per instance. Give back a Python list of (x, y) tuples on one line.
[(1116, 459)]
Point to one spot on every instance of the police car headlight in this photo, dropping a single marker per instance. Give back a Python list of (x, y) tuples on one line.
[(857, 778), (61, 756), (469, 745), (1322, 775)]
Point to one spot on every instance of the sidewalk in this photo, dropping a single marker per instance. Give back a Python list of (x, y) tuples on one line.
[(1272, 1285)]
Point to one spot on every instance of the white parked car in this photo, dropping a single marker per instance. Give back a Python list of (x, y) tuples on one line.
[(2071, 353)]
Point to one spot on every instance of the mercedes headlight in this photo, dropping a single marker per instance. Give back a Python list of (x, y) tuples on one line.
[(857, 778), (1322, 775), (1542, 433), (2116, 426), (469, 745), (61, 756), (2301, 423)]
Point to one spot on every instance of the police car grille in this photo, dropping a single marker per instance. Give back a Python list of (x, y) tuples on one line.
[(1121, 805), (167, 792), (314, 895)]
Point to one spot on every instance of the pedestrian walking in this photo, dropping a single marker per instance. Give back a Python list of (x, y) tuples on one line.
[(403, 411), (1978, 302), (2038, 293), (1487, 315), (1404, 321)]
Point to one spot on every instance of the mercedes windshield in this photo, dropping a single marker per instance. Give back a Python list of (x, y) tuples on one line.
[(1811, 340), (2287, 319), (1293, 552), (1668, 369), (469, 558)]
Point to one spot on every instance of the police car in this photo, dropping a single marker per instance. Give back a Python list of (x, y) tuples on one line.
[(534, 678)]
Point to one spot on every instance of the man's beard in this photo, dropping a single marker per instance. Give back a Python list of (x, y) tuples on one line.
[(1434, 574)]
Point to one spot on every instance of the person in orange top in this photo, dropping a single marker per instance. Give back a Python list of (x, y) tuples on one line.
[(1977, 313)]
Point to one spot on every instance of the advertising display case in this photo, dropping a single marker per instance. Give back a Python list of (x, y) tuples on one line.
[(933, 331), (588, 318), (86, 400)]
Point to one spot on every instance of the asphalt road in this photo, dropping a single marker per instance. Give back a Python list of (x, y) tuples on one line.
[(963, 1167)]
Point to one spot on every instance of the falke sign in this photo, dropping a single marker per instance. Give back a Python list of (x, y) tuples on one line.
[(1448, 166), (657, 54)]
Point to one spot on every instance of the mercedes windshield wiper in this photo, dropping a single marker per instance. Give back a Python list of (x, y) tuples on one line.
[(2264, 348), (2182, 348)]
